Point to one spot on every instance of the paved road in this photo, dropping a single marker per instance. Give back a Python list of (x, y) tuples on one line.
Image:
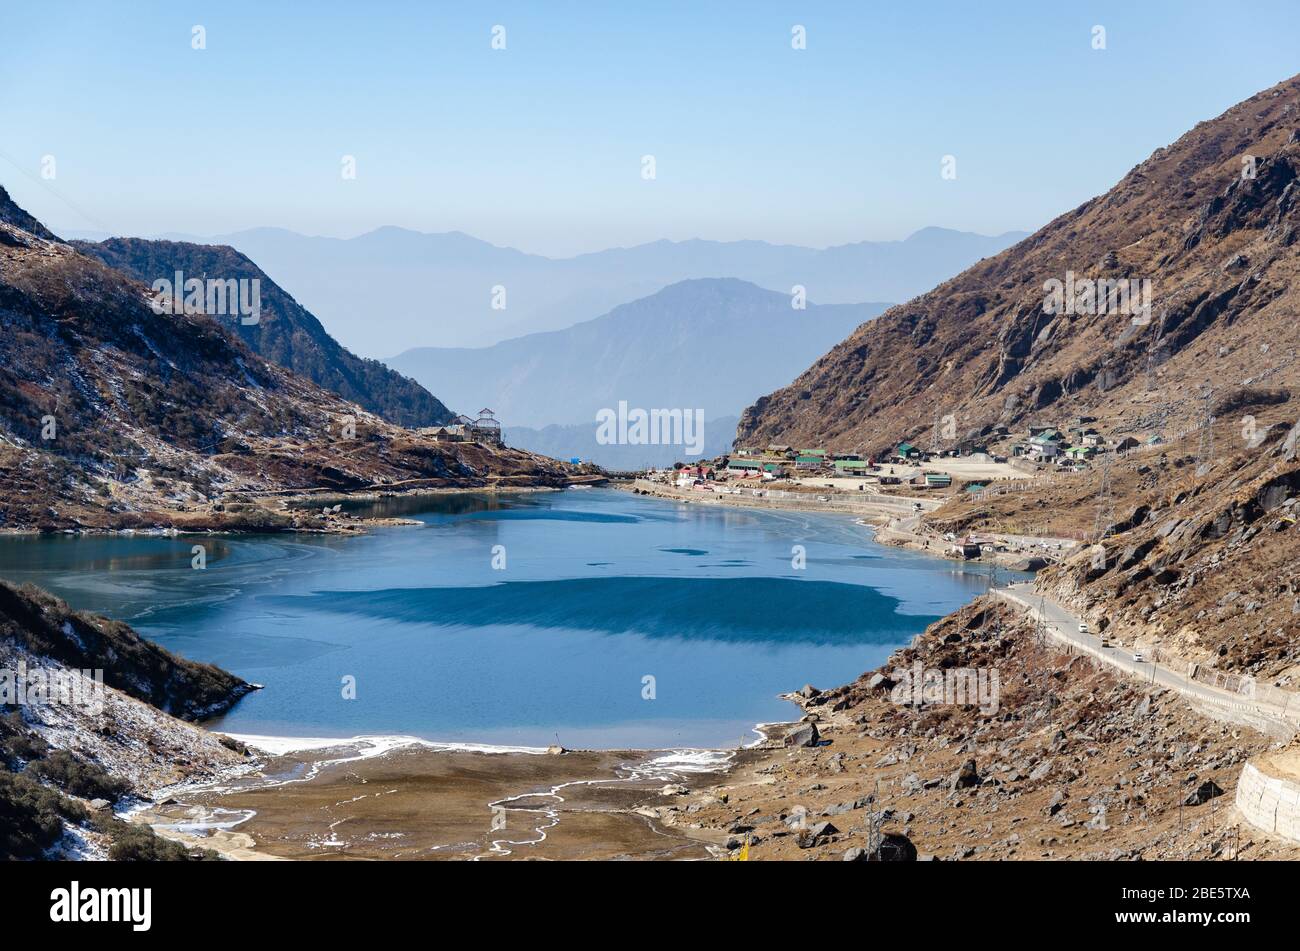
[(1064, 626)]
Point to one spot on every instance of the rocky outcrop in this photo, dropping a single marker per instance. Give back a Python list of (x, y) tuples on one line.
[(45, 627)]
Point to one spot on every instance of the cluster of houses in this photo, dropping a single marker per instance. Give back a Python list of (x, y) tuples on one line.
[(1073, 446), (485, 428), (1068, 447), (783, 462)]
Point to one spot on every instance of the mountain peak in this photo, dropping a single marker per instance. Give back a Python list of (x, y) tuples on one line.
[(12, 214)]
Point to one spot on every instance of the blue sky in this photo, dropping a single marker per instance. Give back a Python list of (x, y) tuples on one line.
[(539, 146)]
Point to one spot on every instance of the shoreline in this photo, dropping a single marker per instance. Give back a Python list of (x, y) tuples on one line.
[(356, 525)]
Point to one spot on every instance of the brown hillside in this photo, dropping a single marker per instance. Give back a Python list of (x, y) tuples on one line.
[(114, 416), (1220, 252)]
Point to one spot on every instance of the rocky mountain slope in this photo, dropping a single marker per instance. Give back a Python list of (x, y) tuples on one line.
[(1075, 763), (67, 763), (115, 416), (1219, 251), (1192, 544), (285, 333)]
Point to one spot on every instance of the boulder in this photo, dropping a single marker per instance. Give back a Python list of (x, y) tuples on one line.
[(805, 734), (965, 777), (896, 847), (1203, 793), (808, 691), (879, 681), (807, 838)]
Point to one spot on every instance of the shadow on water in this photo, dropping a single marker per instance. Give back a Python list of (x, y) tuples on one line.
[(751, 610)]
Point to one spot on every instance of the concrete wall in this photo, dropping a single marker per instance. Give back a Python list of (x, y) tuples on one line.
[(1269, 802)]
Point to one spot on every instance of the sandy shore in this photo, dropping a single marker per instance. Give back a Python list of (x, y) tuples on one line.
[(409, 801)]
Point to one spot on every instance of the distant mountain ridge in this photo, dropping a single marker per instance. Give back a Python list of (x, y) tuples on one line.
[(286, 333), (392, 288), (710, 344)]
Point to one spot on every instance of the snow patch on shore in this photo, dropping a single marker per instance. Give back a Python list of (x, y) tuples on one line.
[(367, 747)]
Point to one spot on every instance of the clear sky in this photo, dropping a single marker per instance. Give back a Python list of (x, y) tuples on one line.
[(539, 145)]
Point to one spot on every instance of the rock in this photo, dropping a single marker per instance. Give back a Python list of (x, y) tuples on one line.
[(1203, 793), (674, 789), (1041, 770), (100, 805), (808, 837), (808, 691), (1056, 803), (895, 847), (855, 855), (879, 681), (965, 777), (556, 750), (805, 734), (1029, 563)]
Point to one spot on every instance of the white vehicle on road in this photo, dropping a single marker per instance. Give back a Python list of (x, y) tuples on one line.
[(1083, 628), (1138, 658)]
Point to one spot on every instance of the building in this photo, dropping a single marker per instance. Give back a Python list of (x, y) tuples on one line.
[(745, 468), (906, 451), (937, 480), (965, 548), (856, 467), (445, 433), (1044, 445), (486, 428), (809, 461)]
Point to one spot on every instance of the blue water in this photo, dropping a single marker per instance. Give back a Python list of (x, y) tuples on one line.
[(600, 590)]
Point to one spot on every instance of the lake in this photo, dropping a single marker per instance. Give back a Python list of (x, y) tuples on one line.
[(591, 618)]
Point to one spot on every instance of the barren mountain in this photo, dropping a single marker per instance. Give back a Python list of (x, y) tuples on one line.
[(113, 415), (285, 333), (1218, 248)]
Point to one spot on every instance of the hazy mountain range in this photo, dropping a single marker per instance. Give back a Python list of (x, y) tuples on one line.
[(711, 344), (391, 289)]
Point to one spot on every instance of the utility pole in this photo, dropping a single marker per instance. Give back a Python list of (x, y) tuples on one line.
[(1205, 452), (1105, 517), (1155, 353)]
